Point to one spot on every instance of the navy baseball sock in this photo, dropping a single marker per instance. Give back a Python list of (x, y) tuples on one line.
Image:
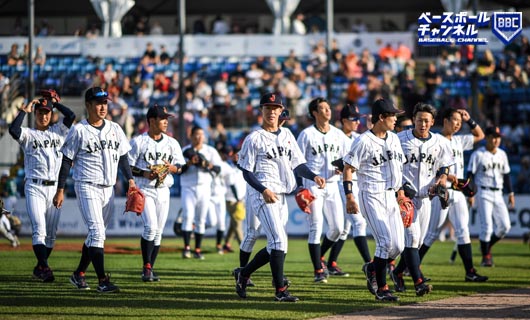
[(243, 258), (260, 259), (380, 271), (147, 250), (484, 247), (423, 251), (219, 237), (412, 258), (198, 241), (84, 262), (402, 264), (362, 246), (156, 249), (314, 253), (276, 260), (335, 251), (326, 244), (186, 235), (48, 252), (41, 255), (494, 239), (97, 256), (467, 257)]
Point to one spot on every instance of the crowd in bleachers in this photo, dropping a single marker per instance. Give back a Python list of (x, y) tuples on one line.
[(221, 93)]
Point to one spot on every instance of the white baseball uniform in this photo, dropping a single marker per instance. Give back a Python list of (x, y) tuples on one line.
[(379, 166), (95, 154), (354, 222), (146, 151), (196, 186), (216, 216), (272, 158), (488, 170), (423, 159), (319, 150), (42, 161), (457, 211)]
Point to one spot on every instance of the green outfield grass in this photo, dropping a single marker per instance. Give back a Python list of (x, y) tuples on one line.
[(192, 289)]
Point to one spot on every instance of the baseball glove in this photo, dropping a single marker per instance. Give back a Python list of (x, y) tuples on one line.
[(339, 164), (304, 198), (466, 186), (135, 201), (50, 94), (441, 192), (406, 208), (161, 171)]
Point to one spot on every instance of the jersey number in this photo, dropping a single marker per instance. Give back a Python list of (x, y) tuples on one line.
[(115, 158)]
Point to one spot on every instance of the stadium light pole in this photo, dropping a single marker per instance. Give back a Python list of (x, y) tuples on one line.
[(182, 102), (30, 85), (329, 35)]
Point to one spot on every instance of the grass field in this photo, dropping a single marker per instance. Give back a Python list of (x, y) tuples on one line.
[(192, 289)]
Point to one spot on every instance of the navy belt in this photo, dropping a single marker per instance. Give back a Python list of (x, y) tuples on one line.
[(43, 182), (97, 185), (489, 188)]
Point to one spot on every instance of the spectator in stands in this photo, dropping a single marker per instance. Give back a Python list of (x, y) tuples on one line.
[(254, 75), (443, 64), (318, 56), (468, 53), (109, 73), (519, 77), (352, 67), (164, 56), (486, 64), (367, 62), (150, 52), (204, 91), (354, 92), (156, 29), (23, 59), (144, 94), (199, 27), (359, 26), (14, 56), (298, 27), (161, 85), (142, 27), (193, 103), (93, 32), (241, 94), (432, 80), (387, 52), (290, 61), (220, 26), (40, 56), (524, 50), (403, 54), (118, 112), (44, 29)]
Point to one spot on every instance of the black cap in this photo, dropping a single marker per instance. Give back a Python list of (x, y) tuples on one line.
[(43, 104), (271, 99), (96, 93), (157, 111), (350, 112), (382, 106), (493, 131)]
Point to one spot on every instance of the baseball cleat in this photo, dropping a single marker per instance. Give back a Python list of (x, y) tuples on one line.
[(285, 296), (371, 282), (487, 261), (241, 283), (323, 263), (147, 275), (473, 276), (220, 249), (334, 270), (186, 254), (79, 281), (154, 276), (198, 255), (228, 249), (43, 274), (422, 289), (384, 294), (320, 277), (399, 282), (105, 286)]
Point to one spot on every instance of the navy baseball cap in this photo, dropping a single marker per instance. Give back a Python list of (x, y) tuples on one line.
[(382, 106), (96, 93), (285, 115), (271, 99), (43, 104), (350, 112), (157, 111), (493, 131)]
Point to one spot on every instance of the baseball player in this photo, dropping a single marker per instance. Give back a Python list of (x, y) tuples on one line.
[(377, 157), (489, 167), (350, 118), (269, 159), (97, 147), (428, 157), (153, 148), (42, 161), (203, 162), (457, 212), (321, 144)]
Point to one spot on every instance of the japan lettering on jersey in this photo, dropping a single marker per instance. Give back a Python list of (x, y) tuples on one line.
[(145, 152), (489, 169), (459, 144), (197, 176), (379, 162), (95, 152), (272, 158), (320, 149), (42, 156), (423, 158)]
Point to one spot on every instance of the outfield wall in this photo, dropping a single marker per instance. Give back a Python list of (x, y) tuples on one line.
[(71, 223)]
